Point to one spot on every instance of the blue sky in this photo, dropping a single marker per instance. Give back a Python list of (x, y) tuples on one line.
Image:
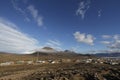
[(79, 25)]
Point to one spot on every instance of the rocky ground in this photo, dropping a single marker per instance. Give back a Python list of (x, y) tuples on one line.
[(67, 71), (78, 72)]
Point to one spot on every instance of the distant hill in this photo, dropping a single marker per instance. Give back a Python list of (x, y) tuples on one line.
[(48, 51), (45, 53), (107, 54), (41, 55), (60, 55)]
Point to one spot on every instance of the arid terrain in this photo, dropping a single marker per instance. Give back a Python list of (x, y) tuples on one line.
[(59, 66), (59, 39)]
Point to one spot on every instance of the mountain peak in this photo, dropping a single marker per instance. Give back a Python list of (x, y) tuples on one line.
[(47, 48)]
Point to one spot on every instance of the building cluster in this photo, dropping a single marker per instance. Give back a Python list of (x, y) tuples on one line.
[(37, 62), (111, 61)]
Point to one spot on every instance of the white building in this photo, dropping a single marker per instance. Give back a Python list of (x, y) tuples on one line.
[(29, 62), (41, 61), (6, 63)]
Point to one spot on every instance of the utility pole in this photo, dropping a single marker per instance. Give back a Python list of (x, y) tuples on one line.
[(37, 56)]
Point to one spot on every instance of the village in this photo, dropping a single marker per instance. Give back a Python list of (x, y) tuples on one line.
[(111, 61)]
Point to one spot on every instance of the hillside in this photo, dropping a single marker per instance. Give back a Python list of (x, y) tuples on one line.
[(15, 57), (42, 56)]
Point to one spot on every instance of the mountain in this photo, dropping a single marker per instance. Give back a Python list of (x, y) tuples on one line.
[(46, 50), (67, 54)]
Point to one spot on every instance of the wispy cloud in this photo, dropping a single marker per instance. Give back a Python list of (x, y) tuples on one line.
[(13, 40), (106, 36), (99, 13), (105, 42), (84, 38), (75, 48), (83, 7), (24, 11), (19, 9), (35, 15), (54, 44), (113, 43)]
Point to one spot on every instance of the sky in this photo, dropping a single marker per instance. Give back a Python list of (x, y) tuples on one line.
[(78, 25)]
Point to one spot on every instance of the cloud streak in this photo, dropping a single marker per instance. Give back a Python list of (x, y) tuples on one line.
[(20, 10), (35, 15), (13, 40), (113, 42), (106, 36), (32, 10), (84, 38), (83, 7), (54, 44), (99, 13), (105, 42)]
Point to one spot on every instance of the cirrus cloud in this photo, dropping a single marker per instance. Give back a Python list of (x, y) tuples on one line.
[(24, 11), (83, 7), (106, 42), (106, 36), (100, 13), (113, 42), (20, 10), (35, 15), (56, 44), (13, 40)]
